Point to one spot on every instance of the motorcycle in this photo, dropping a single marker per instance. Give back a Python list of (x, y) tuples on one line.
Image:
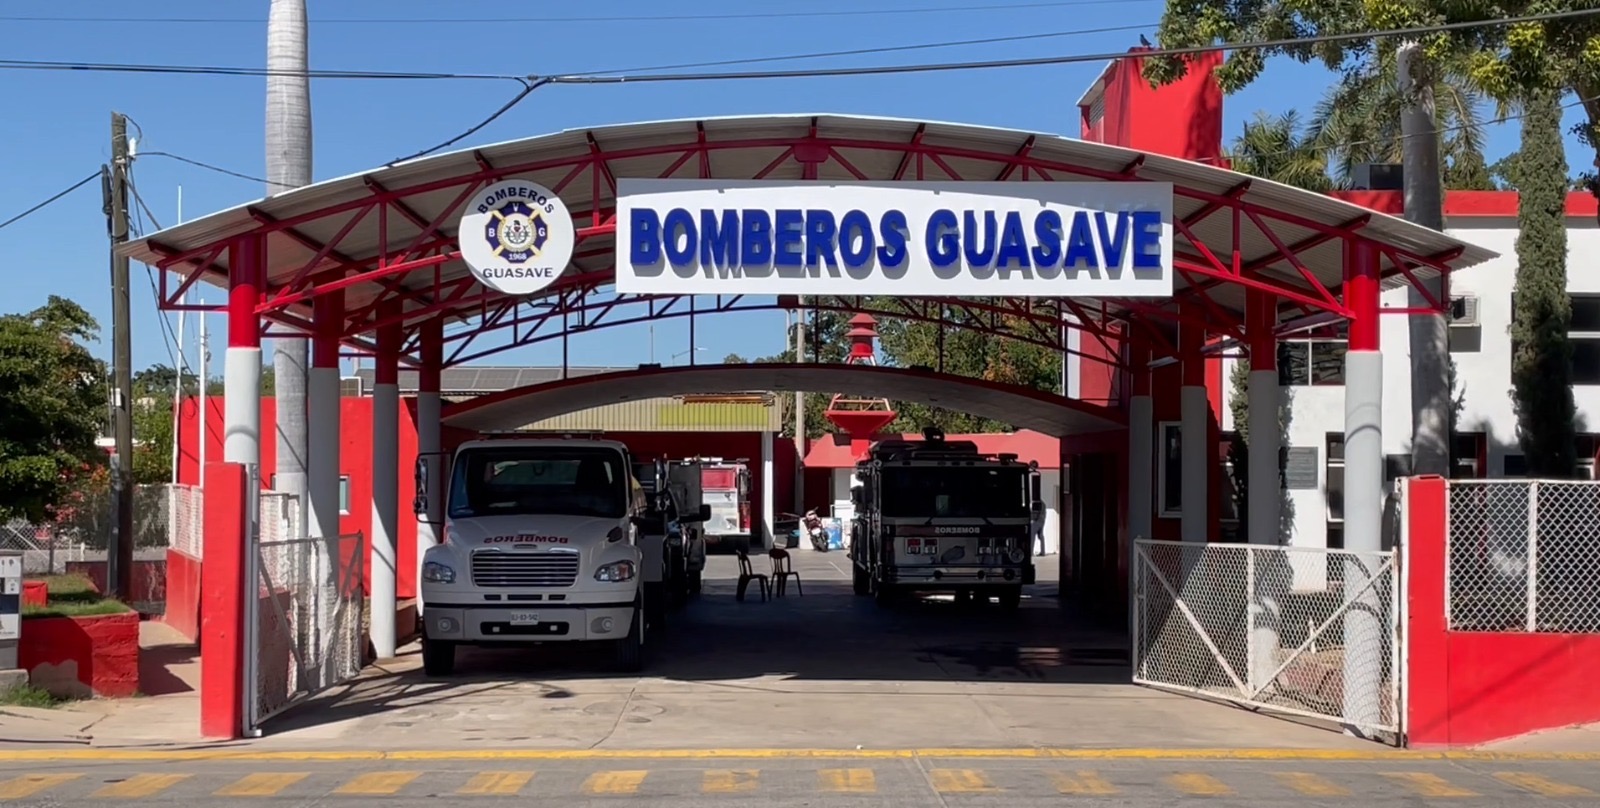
[(815, 530)]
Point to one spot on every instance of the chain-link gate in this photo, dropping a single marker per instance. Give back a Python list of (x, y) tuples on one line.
[(1296, 630), (304, 612), (1521, 556)]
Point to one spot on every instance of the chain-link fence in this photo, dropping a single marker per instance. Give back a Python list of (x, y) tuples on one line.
[(186, 519), (1269, 627), (85, 523), (305, 627), (1522, 556)]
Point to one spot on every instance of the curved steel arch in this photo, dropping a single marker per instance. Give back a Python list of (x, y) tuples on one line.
[(1022, 407), (586, 310), (381, 236)]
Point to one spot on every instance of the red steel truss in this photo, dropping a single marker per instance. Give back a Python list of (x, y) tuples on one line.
[(416, 289)]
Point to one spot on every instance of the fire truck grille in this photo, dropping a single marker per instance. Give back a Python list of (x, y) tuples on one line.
[(512, 569)]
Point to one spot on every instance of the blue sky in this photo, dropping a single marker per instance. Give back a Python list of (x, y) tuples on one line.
[(58, 129)]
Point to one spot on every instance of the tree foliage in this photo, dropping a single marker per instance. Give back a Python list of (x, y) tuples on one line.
[(1239, 449), (1284, 150), (1541, 361), (52, 407)]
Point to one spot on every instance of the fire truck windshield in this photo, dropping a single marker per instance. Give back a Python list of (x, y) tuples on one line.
[(959, 492), (543, 480)]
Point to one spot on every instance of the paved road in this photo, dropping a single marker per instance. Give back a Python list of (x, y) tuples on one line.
[(798, 782)]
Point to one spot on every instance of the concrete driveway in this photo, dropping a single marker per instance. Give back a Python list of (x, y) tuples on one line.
[(822, 669)]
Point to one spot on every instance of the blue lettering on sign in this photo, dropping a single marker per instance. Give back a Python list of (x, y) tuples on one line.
[(795, 243)]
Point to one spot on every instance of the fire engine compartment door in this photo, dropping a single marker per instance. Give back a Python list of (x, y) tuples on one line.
[(720, 490)]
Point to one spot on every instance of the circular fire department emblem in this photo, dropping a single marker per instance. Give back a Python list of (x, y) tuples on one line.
[(516, 236)]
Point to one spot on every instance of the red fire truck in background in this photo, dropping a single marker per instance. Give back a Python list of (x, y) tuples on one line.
[(725, 487)]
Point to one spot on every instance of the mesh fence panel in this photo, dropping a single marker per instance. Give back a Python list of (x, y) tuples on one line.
[(308, 615), (1297, 630), (186, 519), (1522, 556)]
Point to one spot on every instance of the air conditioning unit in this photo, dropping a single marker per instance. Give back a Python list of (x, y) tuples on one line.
[(1464, 310), (351, 386), (1377, 177)]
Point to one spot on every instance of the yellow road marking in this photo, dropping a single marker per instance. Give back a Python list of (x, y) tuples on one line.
[(1313, 785), (496, 783), (1542, 785), (859, 781), (729, 781), (1082, 783), (1196, 784), (141, 785), (376, 783), (260, 784), (1430, 785), (30, 784), (620, 782), (960, 781), (1025, 753)]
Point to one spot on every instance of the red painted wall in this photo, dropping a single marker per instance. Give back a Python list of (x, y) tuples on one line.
[(80, 656), (183, 594), (1468, 688)]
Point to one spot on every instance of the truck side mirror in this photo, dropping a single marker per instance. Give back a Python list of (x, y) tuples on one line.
[(419, 500)]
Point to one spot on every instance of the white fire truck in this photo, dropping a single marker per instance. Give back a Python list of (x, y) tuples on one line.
[(937, 515), (539, 546)]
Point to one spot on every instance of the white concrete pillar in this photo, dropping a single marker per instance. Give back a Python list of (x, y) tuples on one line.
[(1364, 626), (1267, 569), (769, 516), (385, 491), (430, 526)]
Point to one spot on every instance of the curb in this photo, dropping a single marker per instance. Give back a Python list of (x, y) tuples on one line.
[(349, 755)]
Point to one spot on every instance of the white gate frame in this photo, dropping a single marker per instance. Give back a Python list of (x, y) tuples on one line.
[(257, 577), (1249, 695)]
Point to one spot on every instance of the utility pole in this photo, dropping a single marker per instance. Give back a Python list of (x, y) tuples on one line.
[(119, 559), (1424, 205), (799, 412)]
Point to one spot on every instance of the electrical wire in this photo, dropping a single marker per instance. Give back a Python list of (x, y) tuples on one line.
[(225, 70), (498, 20), (36, 208), (140, 211), (207, 166), (1073, 58), (527, 89)]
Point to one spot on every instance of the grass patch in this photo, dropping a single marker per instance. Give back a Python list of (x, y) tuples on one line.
[(29, 696), (73, 596)]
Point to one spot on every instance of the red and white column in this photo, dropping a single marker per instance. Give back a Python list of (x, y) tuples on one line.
[(1195, 415), (385, 485), (322, 388), (430, 528), (241, 369), (1363, 491), (1141, 444)]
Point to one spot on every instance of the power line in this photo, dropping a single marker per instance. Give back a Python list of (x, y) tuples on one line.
[(1071, 58), (207, 166), (527, 89), (225, 70), (500, 21), (36, 208)]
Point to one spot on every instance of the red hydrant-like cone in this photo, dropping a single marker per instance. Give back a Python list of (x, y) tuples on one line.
[(860, 418)]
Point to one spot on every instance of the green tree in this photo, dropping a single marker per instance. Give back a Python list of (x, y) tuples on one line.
[(825, 342), (1281, 149), (152, 422), (1541, 362), (1239, 448), (1358, 120), (53, 399)]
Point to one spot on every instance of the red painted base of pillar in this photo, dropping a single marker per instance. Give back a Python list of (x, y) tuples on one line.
[(222, 603)]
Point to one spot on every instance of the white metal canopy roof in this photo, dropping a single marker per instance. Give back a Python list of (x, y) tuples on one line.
[(740, 148)]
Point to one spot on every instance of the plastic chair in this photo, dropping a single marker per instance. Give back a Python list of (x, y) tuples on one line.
[(782, 571), (747, 574)]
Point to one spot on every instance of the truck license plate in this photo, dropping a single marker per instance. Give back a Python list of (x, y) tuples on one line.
[(524, 619)]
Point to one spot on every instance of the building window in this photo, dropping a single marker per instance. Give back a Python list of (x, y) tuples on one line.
[(344, 494), (1584, 334), (1586, 447), (1334, 479), (1311, 363), (1514, 465), (1465, 448), (1169, 471)]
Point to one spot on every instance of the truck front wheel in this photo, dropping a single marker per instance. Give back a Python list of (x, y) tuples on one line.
[(694, 582), (438, 657), (630, 649), (860, 581), (1011, 598)]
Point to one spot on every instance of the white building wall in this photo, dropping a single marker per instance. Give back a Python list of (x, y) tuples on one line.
[(1483, 375)]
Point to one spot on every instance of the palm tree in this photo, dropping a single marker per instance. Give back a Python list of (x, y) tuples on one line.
[(1281, 149), (1358, 121)]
